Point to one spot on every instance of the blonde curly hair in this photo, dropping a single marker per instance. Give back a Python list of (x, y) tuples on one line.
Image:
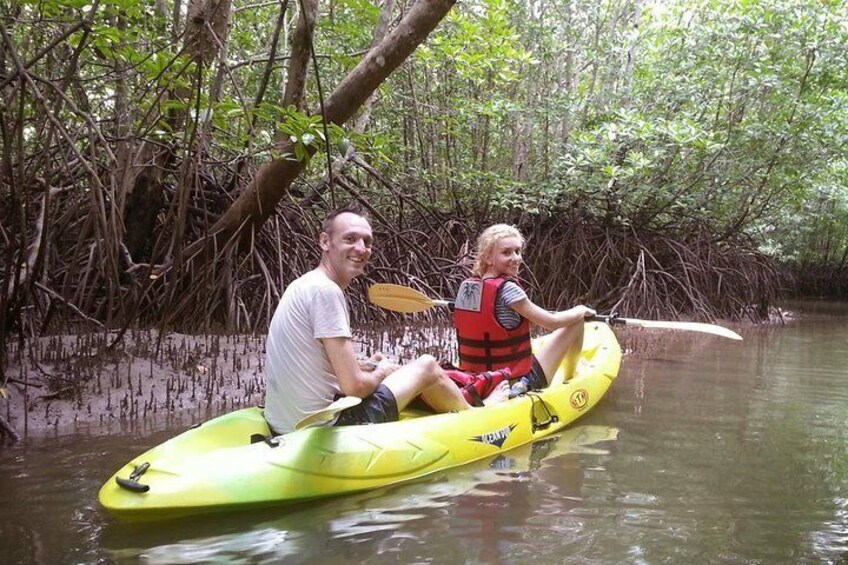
[(486, 243)]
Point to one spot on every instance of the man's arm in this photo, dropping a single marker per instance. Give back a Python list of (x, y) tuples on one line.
[(353, 381)]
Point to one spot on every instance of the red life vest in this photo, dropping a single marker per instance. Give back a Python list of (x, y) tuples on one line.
[(484, 344), (477, 386)]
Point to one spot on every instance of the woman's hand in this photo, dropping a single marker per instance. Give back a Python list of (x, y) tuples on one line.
[(581, 312)]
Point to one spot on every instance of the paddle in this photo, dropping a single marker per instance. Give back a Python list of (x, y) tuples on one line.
[(714, 329), (326, 414), (403, 299)]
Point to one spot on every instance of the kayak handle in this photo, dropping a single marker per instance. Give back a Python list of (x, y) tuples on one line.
[(132, 483), (535, 423), (544, 424)]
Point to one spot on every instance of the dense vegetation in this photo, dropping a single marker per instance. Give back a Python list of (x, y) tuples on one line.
[(165, 162)]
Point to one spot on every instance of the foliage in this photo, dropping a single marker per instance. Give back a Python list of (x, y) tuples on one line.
[(678, 117), (732, 114)]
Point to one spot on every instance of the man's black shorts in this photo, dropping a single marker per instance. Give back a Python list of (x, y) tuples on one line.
[(380, 406)]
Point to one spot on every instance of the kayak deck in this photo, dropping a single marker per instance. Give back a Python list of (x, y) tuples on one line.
[(230, 462)]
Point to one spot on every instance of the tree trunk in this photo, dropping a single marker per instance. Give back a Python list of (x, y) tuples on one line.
[(256, 204), (207, 25), (206, 33), (300, 51), (631, 50)]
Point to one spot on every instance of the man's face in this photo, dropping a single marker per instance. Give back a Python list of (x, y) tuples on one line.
[(347, 248)]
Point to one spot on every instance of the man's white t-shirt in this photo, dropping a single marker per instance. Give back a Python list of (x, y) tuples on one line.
[(298, 375)]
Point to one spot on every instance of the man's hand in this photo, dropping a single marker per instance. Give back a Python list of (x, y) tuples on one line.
[(371, 363), (378, 364), (387, 367), (357, 377)]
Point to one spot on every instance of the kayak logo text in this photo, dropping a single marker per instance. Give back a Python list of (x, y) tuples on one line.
[(496, 438), (579, 399)]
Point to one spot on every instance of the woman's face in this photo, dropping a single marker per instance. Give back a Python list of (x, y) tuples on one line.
[(505, 257)]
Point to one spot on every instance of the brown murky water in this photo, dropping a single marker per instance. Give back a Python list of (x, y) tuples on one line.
[(707, 451)]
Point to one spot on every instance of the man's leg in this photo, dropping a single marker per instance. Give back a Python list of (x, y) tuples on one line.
[(424, 376), (564, 343)]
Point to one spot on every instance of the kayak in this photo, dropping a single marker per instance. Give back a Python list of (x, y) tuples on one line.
[(232, 462)]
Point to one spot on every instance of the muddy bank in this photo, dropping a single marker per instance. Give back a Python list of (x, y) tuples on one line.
[(74, 383), (77, 383), (63, 384)]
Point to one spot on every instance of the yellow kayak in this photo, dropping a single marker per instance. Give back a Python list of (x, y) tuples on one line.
[(231, 463)]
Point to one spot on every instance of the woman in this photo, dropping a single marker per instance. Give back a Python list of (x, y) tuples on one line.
[(493, 316)]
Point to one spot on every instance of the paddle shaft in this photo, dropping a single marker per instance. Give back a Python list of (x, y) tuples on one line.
[(610, 319), (712, 329), (403, 299)]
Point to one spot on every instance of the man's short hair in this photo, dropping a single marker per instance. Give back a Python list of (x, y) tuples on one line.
[(349, 208)]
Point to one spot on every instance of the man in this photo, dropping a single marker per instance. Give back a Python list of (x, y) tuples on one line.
[(310, 356)]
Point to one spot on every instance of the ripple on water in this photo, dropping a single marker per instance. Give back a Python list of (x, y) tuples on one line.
[(723, 453)]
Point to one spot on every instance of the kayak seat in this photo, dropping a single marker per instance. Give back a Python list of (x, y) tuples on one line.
[(270, 440)]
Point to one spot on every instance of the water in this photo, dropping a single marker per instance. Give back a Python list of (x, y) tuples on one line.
[(704, 451)]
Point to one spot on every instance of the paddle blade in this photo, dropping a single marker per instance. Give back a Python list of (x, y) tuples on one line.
[(326, 414), (399, 298), (685, 326)]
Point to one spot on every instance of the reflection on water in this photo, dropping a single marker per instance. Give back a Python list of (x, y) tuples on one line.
[(376, 517), (705, 450)]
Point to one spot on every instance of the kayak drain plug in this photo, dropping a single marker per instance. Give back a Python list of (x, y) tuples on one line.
[(132, 483)]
